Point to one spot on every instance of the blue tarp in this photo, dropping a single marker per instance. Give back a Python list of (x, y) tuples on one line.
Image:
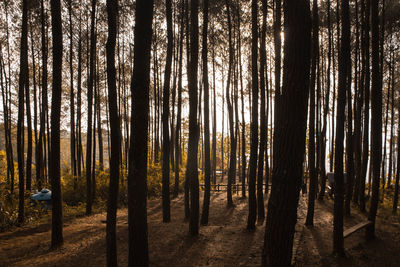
[(44, 195)]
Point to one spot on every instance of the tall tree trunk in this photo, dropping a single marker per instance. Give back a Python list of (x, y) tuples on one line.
[(214, 133), (29, 122), (179, 112), (326, 108), (358, 85), (207, 174), (137, 175), (10, 166), (384, 145), (165, 115), (344, 71), (111, 231), (278, 57), (79, 151), (89, 193), (229, 102), (263, 126), (251, 219), (72, 95), (188, 66), (42, 138), (289, 136), (56, 218), (391, 167), (23, 77), (396, 184), (376, 119), (311, 126), (34, 101), (191, 169), (366, 29)]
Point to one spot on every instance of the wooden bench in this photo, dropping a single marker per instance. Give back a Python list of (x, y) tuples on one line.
[(355, 228), (224, 187)]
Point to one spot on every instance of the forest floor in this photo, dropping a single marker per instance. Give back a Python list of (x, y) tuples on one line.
[(316, 243), (223, 242)]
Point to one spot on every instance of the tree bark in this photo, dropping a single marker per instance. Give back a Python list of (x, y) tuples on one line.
[(311, 127), (137, 174), (57, 224), (191, 168), (289, 136), (376, 119), (23, 77), (89, 193), (111, 231), (251, 219), (207, 174), (166, 142)]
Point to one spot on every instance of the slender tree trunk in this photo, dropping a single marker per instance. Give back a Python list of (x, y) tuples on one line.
[(207, 174), (10, 156), (29, 122), (243, 130), (79, 103), (214, 133), (391, 167), (165, 115), (34, 95), (326, 108), (23, 77), (263, 126), (366, 28), (188, 66), (89, 193), (311, 127), (384, 145), (191, 169), (396, 184), (251, 219), (358, 85), (179, 112), (229, 102), (137, 175), (72, 95)]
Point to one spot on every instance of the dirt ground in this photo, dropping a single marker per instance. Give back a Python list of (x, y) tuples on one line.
[(316, 243), (224, 242)]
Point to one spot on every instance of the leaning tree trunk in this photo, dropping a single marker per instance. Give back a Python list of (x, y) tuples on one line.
[(289, 136)]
